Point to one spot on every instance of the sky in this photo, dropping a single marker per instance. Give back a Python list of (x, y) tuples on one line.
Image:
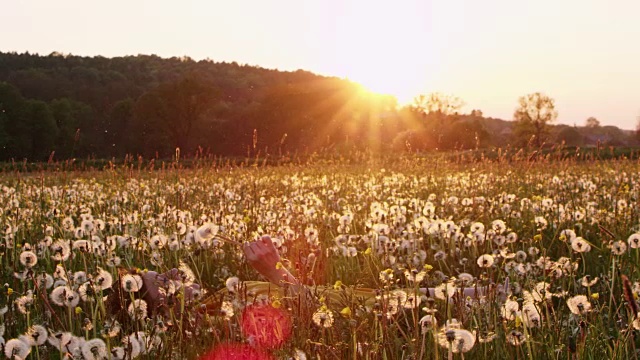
[(583, 53)]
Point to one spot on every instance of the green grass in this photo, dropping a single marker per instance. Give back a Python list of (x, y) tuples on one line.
[(386, 198)]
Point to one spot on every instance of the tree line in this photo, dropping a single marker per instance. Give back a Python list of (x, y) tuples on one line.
[(64, 106)]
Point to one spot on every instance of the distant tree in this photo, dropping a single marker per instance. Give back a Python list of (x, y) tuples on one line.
[(40, 129), (166, 115), (533, 117), (437, 110), (570, 136), (323, 113), (14, 130), (4, 136), (476, 113), (73, 120), (437, 103), (35, 83), (614, 136), (464, 134), (638, 128), (119, 122), (592, 122)]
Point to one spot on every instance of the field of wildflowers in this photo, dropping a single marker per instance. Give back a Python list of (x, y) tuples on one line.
[(551, 247)]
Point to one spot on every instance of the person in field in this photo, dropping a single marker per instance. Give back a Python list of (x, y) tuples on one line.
[(263, 256)]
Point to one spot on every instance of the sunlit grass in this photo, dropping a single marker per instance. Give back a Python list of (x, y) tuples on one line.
[(391, 226)]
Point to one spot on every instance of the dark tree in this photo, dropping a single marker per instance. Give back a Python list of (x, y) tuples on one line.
[(437, 104), (465, 134), (12, 126), (168, 113), (569, 136), (43, 129), (592, 122), (532, 118), (118, 128), (72, 118)]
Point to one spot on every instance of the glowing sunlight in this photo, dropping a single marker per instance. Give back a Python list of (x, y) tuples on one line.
[(377, 49)]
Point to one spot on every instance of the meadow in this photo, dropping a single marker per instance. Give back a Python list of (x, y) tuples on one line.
[(553, 245)]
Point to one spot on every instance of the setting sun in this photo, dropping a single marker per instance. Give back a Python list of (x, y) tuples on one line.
[(379, 49)]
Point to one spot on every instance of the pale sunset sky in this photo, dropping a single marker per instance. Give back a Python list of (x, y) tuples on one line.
[(583, 53)]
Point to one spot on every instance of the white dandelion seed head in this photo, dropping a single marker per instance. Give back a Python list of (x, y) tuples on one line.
[(579, 305), (82, 246), (516, 337), (323, 317), (16, 348), (634, 241), (132, 346), (186, 274), (299, 355), (587, 281), (44, 281), (94, 349), (510, 309), (137, 309), (428, 322), (446, 290), (457, 340), (131, 282), (24, 303), (567, 235), (38, 333), (618, 248), (580, 245), (80, 277), (103, 279), (118, 353), (531, 315), (232, 284), (27, 339), (28, 259), (485, 261), (205, 233), (58, 295), (72, 298)]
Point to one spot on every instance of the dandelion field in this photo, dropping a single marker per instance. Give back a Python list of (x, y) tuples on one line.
[(551, 248)]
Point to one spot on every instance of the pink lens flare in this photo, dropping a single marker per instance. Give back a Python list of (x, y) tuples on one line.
[(266, 326), (236, 352)]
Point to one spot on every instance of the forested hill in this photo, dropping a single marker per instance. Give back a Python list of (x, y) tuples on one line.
[(107, 107), (74, 106)]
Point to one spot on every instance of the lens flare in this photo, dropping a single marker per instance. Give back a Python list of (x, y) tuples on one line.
[(266, 326), (236, 352)]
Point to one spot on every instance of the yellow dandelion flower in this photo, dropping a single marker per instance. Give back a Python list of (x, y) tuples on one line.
[(346, 312)]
